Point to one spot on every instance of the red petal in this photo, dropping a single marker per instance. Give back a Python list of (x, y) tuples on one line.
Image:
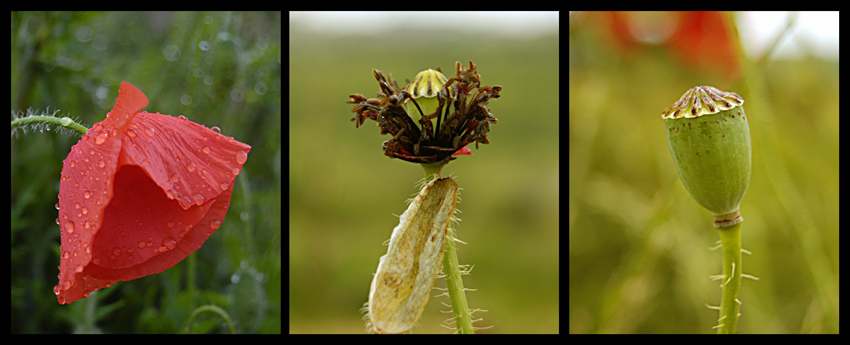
[(463, 152), (138, 194)]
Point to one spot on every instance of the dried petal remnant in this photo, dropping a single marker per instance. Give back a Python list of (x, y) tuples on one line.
[(402, 285)]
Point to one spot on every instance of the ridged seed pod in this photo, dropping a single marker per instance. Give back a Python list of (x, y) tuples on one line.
[(710, 142)]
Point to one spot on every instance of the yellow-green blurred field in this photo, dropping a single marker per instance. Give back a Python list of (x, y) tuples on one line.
[(344, 192), (639, 258)]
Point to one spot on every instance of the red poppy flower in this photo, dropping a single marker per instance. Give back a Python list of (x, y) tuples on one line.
[(140, 192)]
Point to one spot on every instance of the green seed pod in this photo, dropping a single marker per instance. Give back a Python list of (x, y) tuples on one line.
[(710, 142)]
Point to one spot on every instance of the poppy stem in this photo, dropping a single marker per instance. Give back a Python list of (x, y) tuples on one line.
[(452, 270), (42, 121), (454, 286), (212, 310), (432, 169), (730, 304)]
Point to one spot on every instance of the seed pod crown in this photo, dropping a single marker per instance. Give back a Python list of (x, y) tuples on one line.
[(702, 100)]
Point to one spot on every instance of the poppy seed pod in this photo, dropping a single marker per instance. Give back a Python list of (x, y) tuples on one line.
[(424, 89), (710, 142)]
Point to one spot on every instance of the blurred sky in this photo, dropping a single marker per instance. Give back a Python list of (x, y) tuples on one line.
[(521, 24), (815, 32)]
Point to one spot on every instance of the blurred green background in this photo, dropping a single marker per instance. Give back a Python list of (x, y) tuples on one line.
[(639, 258), (216, 68), (344, 192)]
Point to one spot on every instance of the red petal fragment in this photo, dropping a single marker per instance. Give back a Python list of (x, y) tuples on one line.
[(138, 193), (130, 101), (463, 152)]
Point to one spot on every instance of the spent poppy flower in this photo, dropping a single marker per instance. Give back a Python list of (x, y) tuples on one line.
[(462, 117), (139, 193), (407, 273)]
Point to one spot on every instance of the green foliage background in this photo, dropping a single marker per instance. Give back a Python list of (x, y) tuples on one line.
[(216, 68), (639, 258)]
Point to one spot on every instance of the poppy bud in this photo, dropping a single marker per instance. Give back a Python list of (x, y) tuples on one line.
[(710, 142)]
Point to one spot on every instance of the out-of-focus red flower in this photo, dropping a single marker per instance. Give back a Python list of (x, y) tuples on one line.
[(140, 192), (704, 41)]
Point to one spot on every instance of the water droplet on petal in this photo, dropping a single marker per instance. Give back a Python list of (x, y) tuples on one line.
[(169, 243), (215, 224), (101, 137), (199, 199), (216, 129), (190, 166), (241, 157), (206, 149), (69, 227), (185, 231)]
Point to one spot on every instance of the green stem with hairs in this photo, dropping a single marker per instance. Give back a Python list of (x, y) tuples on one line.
[(432, 169), (37, 120), (730, 304), (454, 285), (452, 271)]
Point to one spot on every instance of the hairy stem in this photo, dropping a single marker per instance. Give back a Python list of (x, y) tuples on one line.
[(454, 285), (49, 120), (730, 304), (452, 271)]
